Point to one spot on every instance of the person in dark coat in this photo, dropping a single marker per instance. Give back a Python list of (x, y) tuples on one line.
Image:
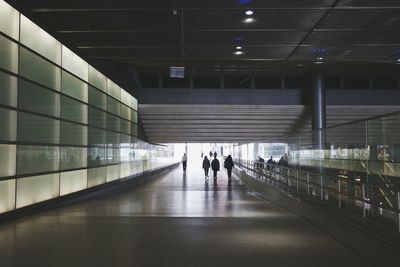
[(206, 166), (228, 164), (215, 166), (270, 162)]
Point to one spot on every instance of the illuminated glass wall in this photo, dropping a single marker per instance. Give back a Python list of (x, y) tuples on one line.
[(64, 126)]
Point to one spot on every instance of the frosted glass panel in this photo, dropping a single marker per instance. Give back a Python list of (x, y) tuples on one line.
[(8, 155), (74, 64), (73, 134), (113, 155), (134, 103), (113, 105), (125, 170), (36, 98), (97, 176), (8, 125), (134, 130), (9, 20), (7, 195), (97, 118), (97, 98), (113, 122), (32, 128), (113, 138), (36, 189), (73, 110), (96, 156), (8, 55), (73, 157), (112, 173), (40, 70), (126, 112), (97, 79), (126, 98), (74, 87), (96, 136), (40, 41), (33, 159), (134, 116), (125, 126), (113, 89), (72, 181), (8, 89)]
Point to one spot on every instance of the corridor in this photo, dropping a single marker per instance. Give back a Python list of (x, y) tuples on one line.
[(176, 220)]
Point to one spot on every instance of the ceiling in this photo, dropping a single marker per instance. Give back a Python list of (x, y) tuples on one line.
[(202, 35), (287, 36), (243, 123)]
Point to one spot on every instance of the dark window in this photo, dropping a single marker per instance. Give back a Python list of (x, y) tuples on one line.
[(356, 83), (267, 83), (385, 83), (297, 82), (206, 82), (176, 82), (332, 83), (149, 81), (235, 82)]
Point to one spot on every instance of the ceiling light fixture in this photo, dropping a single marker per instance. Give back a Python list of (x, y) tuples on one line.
[(248, 20), (320, 58), (239, 47), (249, 12), (238, 53)]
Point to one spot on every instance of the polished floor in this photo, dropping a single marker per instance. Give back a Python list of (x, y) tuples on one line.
[(175, 220)]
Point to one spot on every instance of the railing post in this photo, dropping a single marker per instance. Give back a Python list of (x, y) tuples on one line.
[(322, 187), (297, 179), (308, 183), (363, 201), (339, 194), (398, 210)]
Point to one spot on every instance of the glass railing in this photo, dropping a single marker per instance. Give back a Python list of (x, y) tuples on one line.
[(362, 156), (366, 199)]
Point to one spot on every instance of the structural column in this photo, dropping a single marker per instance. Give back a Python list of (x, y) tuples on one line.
[(319, 108)]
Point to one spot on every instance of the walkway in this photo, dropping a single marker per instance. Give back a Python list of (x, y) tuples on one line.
[(175, 220)]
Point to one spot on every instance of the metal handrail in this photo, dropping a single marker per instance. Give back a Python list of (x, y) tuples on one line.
[(327, 185)]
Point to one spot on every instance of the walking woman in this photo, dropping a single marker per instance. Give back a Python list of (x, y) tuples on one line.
[(184, 162), (228, 164), (206, 167), (215, 166)]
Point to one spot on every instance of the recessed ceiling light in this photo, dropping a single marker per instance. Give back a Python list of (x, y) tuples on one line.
[(238, 53), (299, 65), (320, 58), (248, 20), (319, 62), (398, 60), (249, 12), (239, 47)]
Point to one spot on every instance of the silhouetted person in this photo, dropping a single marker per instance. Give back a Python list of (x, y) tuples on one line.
[(286, 160), (215, 154), (184, 161), (210, 155), (215, 166), (206, 166), (270, 161), (228, 164)]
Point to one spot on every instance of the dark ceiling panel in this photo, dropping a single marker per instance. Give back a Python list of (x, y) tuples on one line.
[(264, 19), (110, 20), (248, 37), (93, 39), (369, 3), (349, 53), (362, 19), (94, 4), (259, 53), (350, 38), (255, 4), (133, 52)]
